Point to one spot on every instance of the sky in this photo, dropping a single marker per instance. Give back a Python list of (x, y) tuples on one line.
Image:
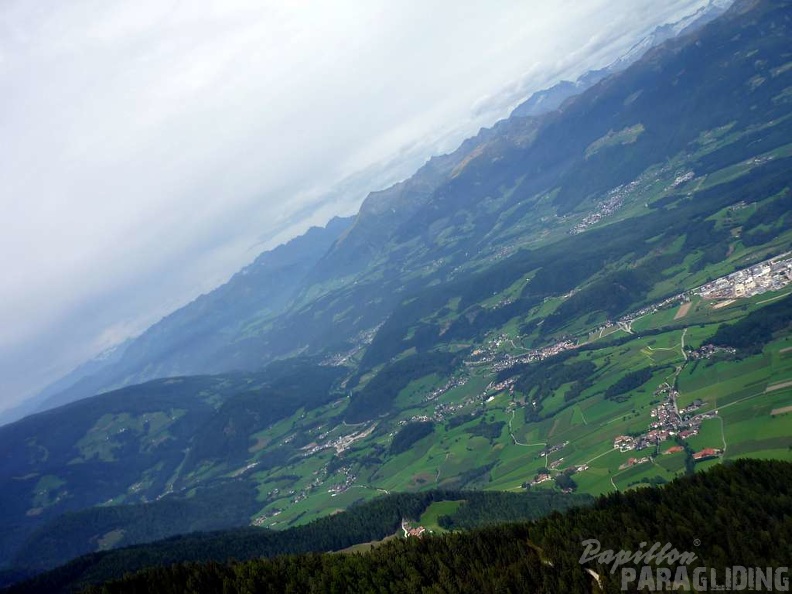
[(151, 148)]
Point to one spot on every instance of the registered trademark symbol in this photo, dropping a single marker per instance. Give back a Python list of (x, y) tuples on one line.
[(696, 542)]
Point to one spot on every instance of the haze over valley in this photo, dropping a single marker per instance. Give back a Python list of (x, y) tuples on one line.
[(484, 307)]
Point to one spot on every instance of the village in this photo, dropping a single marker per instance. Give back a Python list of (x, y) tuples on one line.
[(607, 207), (616, 197), (668, 421), (499, 362), (340, 443)]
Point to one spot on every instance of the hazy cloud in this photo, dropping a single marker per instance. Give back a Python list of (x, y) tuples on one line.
[(147, 147)]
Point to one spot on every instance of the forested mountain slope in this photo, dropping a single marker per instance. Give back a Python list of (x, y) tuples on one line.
[(705, 514), (592, 300)]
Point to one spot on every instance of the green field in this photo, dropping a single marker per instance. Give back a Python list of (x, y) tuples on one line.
[(434, 511)]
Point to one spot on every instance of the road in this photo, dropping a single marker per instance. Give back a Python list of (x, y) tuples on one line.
[(514, 439)]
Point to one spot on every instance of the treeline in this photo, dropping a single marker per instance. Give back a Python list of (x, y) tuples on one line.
[(628, 383), (582, 258), (217, 506), (497, 507), (487, 430), (408, 435), (493, 560), (751, 333), (161, 419), (734, 514), (370, 521), (539, 380), (377, 396)]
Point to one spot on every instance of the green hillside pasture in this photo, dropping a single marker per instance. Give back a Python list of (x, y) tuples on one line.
[(562, 423), (663, 356), (705, 465), (633, 477), (674, 463), (435, 510), (103, 439), (619, 420), (578, 417), (710, 435), (659, 319), (441, 459), (529, 432), (699, 334), (749, 427), (596, 479), (476, 383), (274, 433), (319, 504), (725, 381), (516, 465), (640, 352), (414, 393), (306, 469), (410, 469)]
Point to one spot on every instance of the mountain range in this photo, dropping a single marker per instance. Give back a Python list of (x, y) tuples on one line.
[(235, 312), (589, 296)]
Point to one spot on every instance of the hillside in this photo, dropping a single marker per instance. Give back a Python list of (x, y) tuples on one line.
[(298, 298), (210, 334), (691, 514), (365, 524), (129, 446), (591, 300)]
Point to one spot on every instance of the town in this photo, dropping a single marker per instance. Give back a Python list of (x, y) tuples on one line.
[(607, 207), (770, 275)]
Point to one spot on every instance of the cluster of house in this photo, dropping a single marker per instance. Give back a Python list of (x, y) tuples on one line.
[(607, 207), (409, 530), (454, 382), (681, 179), (707, 453), (667, 421), (632, 462), (540, 478), (552, 449), (546, 475), (615, 198), (505, 384), (499, 363), (363, 339), (260, 520), (444, 410), (708, 351), (770, 275), (704, 454), (340, 443)]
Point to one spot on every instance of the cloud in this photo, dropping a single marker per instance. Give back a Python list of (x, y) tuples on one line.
[(149, 146)]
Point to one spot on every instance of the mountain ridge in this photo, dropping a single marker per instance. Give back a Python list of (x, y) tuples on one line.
[(538, 322), (381, 215)]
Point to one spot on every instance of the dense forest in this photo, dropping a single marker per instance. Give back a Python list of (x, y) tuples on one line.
[(751, 333), (377, 396), (365, 522), (408, 435), (705, 513)]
